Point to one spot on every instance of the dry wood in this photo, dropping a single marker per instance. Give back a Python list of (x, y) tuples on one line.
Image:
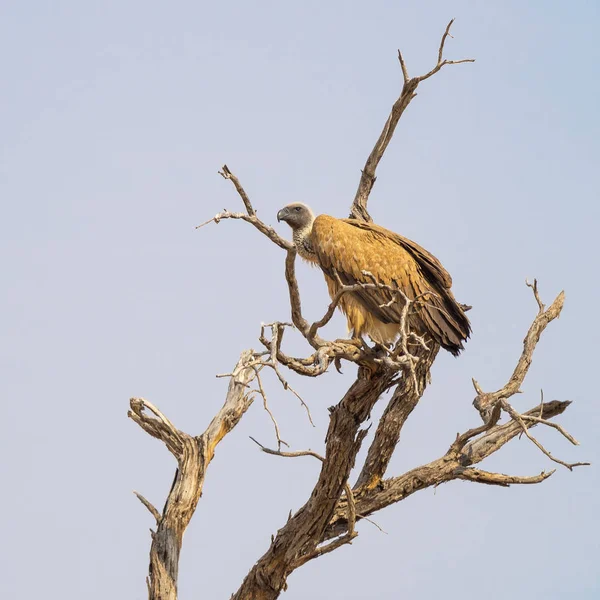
[(297, 541), (409, 91), (405, 398), (193, 455), (444, 469), (479, 476), (328, 519), (306, 535)]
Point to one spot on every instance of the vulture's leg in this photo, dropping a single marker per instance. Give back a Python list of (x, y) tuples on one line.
[(358, 341), (361, 343)]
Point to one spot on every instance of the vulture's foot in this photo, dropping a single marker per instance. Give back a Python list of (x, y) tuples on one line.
[(359, 342)]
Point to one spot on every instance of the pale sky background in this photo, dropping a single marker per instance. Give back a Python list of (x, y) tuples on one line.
[(116, 116)]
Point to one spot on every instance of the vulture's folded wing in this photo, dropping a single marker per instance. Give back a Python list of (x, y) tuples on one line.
[(354, 249)]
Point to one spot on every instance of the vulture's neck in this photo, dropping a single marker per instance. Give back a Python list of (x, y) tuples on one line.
[(303, 244)]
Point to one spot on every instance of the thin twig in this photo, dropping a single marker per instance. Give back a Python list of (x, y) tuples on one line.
[(446, 34), (327, 548), (554, 426), (277, 330), (518, 418), (227, 174), (372, 523), (403, 67), (261, 391), (149, 506), (253, 220), (287, 454), (534, 287)]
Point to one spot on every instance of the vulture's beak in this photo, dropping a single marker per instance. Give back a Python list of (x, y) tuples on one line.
[(282, 214)]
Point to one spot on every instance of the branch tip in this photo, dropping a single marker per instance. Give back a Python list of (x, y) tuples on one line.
[(476, 386), (151, 508)]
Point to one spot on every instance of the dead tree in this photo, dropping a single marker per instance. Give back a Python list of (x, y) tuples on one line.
[(328, 518)]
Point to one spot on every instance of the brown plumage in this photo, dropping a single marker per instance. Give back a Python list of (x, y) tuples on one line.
[(349, 248)]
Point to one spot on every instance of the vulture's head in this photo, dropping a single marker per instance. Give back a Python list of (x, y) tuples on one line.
[(298, 216)]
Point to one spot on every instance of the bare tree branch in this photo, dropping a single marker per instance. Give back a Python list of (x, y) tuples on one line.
[(298, 540), (288, 454), (274, 346), (404, 399), (498, 435), (519, 419), (327, 351), (488, 403), (253, 220), (479, 476), (473, 446), (344, 539), (446, 468), (311, 366), (193, 455), (149, 506), (536, 294), (262, 392), (160, 427), (367, 179), (290, 276), (328, 519), (441, 62), (227, 174), (556, 426)]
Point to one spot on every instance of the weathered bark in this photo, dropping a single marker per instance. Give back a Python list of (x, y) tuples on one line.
[(296, 542), (178, 510), (409, 91), (193, 455), (405, 398), (327, 519), (446, 468)]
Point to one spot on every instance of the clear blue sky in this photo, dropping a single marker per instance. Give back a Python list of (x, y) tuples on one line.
[(115, 117)]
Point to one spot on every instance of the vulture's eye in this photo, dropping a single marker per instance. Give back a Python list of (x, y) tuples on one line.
[(298, 208)]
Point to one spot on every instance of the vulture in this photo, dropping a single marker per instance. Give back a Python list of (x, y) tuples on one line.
[(351, 252)]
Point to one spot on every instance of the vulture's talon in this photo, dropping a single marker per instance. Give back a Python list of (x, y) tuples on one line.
[(337, 362)]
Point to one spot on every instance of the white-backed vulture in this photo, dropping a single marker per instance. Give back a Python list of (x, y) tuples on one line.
[(356, 252)]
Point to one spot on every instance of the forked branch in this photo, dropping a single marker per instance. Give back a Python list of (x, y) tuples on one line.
[(488, 403), (473, 446), (520, 419), (409, 87), (450, 466), (328, 518), (193, 454)]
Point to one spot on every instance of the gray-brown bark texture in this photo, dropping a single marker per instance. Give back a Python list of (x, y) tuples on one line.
[(193, 455), (327, 519)]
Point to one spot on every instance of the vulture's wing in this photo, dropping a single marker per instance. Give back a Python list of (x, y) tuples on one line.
[(350, 247), (425, 259)]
